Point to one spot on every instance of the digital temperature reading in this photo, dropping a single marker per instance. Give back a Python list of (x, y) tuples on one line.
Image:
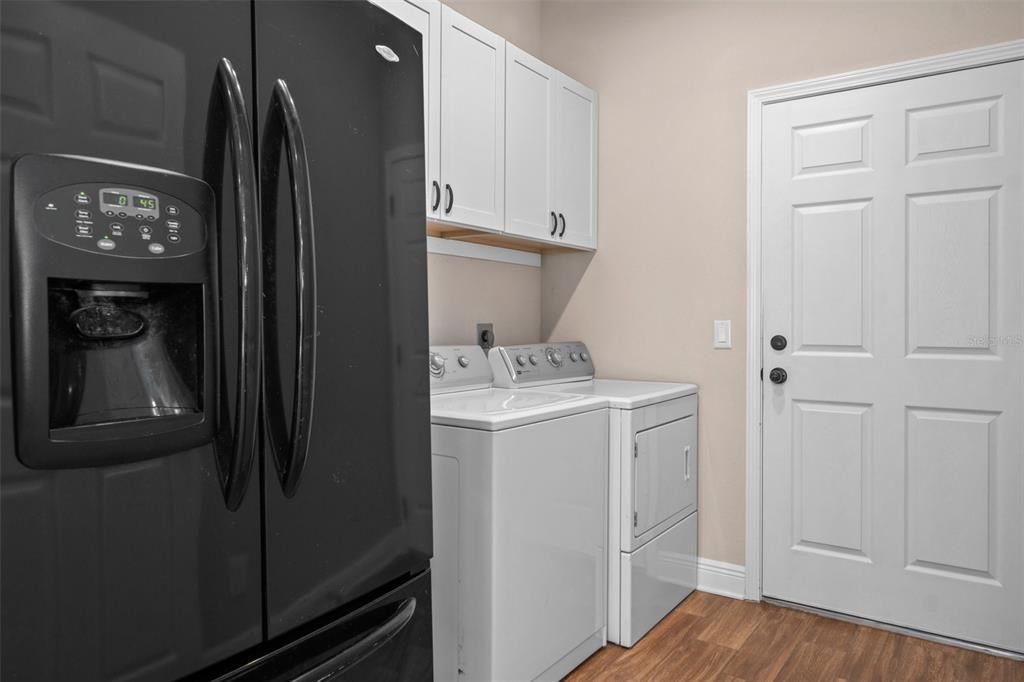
[(115, 199), (148, 203), (121, 201)]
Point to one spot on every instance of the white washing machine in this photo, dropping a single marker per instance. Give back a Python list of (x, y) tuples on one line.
[(520, 524), (652, 510)]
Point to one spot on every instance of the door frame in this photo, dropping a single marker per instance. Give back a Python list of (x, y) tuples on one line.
[(756, 101)]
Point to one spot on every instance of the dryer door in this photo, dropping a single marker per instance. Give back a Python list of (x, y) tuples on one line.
[(664, 473)]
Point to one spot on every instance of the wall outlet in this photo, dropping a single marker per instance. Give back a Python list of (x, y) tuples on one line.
[(485, 335), (723, 334)]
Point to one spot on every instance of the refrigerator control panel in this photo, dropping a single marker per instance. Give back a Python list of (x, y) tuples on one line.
[(131, 222)]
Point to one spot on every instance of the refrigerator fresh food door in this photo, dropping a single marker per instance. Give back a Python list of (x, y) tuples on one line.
[(346, 434), (134, 570)]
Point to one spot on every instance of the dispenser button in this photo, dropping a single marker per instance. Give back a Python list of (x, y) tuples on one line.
[(145, 229), (172, 210), (109, 213), (173, 224), (174, 238), (156, 248), (107, 244), (83, 213), (83, 198), (151, 218), (122, 214)]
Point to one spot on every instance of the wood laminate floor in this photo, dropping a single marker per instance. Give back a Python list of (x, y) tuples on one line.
[(716, 638)]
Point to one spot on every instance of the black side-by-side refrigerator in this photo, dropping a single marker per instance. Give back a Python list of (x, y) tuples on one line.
[(214, 419)]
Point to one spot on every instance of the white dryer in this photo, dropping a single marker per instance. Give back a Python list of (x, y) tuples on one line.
[(520, 534), (652, 510)]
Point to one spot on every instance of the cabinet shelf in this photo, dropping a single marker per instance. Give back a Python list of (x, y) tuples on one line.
[(502, 239)]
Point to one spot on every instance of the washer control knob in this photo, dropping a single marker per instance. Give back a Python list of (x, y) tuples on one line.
[(463, 361), (533, 359), (436, 365), (521, 360), (554, 357), (573, 356), (584, 357)]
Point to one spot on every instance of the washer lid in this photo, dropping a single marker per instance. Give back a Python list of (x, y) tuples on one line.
[(626, 395), (496, 408)]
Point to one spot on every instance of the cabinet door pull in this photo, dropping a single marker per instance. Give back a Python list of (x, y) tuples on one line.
[(562, 233), (554, 223), (451, 198), (437, 196)]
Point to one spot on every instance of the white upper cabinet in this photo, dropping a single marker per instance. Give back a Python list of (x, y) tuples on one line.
[(550, 154), (472, 123), (425, 17), (511, 143), (530, 92), (575, 164)]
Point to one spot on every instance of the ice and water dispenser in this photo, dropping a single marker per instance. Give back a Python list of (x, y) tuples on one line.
[(115, 315)]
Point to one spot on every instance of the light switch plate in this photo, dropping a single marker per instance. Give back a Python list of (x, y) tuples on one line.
[(723, 334)]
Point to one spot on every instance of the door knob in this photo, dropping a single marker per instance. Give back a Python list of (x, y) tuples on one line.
[(778, 375), (778, 342)]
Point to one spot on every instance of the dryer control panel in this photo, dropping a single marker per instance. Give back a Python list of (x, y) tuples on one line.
[(542, 363)]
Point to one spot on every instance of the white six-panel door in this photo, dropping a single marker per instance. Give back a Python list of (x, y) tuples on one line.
[(893, 263)]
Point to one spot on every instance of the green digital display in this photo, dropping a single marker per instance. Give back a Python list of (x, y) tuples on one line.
[(148, 203), (115, 198)]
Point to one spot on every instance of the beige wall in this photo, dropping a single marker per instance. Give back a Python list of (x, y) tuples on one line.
[(672, 79), (462, 291)]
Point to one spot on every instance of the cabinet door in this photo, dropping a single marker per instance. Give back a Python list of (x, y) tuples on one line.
[(472, 123), (425, 17), (576, 164), (530, 87), (665, 473)]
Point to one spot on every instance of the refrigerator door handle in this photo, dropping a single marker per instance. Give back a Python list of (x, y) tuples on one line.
[(236, 447), (283, 123), (364, 645)]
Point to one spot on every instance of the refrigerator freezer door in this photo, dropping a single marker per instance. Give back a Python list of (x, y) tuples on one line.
[(135, 571), (356, 514)]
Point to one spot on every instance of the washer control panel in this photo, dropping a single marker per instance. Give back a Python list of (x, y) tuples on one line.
[(544, 363), (458, 368), (120, 221)]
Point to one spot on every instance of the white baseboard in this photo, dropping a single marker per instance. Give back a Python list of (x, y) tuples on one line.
[(721, 577)]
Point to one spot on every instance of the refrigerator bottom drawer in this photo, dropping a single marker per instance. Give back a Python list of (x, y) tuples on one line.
[(656, 577), (388, 639)]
